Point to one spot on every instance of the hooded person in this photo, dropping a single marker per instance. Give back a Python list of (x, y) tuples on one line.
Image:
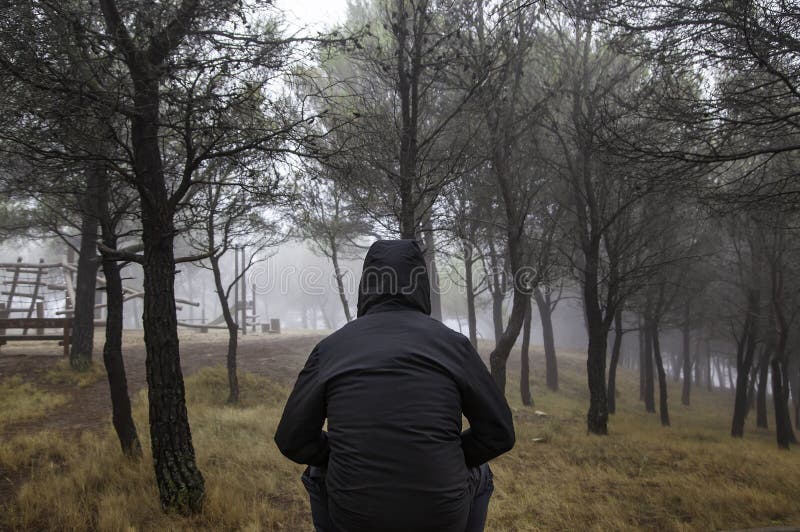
[(393, 385)]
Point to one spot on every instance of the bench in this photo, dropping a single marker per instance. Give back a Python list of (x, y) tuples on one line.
[(65, 324)]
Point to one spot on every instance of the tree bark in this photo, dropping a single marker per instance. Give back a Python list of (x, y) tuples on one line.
[(698, 368), (499, 356), (520, 285), (663, 407), (180, 483), (546, 316), (337, 271), (649, 385), (612, 369), (121, 416), (233, 331), (761, 391), (525, 382), (597, 416), (783, 422), (408, 93), (433, 272), (745, 352), (472, 321), (82, 341)]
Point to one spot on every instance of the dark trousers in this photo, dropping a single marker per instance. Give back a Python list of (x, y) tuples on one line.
[(314, 480)]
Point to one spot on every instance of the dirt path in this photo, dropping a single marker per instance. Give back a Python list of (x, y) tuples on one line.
[(89, 408)]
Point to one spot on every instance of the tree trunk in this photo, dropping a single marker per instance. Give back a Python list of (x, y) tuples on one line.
[(433, 272), (498, 296), (649, 385), (82, 341), (546, 316), (121, 416), (472, 321), (640, 333), (496, 284), (783, 423), (709, 380), (407, 88), (761, 391), (525, 373), (663, 407), (233, 332), (794, 386), (597, 416), (745, 353), (751, 388), (499, 356), (180, 483), (337, 271), (731, 381), (612, 369), (698, 368), (687, 356)]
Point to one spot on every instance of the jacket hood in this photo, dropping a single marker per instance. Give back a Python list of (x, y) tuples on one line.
[(395, 277)]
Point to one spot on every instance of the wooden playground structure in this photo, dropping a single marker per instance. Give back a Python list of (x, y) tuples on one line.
[(31, 290), (39, 298)]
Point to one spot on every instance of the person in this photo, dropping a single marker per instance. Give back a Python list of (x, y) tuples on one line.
[(393, 385)]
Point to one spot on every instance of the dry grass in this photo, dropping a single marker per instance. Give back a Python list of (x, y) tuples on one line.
[(84, 483), (691, 476), (62, 374), (23, 401)]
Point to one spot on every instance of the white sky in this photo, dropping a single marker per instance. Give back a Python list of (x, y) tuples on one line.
[(313, 14)]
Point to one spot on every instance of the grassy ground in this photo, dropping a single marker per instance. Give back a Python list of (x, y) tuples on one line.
[(22, 401), (63, 374), (691, 476)]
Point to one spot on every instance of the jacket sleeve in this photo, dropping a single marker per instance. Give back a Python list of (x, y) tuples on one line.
[(300, 436), (491, 431)]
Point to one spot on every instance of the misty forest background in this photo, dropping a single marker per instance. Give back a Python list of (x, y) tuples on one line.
[(617, 178)]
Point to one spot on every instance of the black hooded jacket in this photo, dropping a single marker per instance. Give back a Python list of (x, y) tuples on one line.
[(393, 385)]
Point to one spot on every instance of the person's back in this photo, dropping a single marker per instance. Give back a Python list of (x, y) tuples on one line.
[(393, 385)]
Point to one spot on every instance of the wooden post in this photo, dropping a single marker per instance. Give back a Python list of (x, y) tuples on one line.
[(38, 282), (13, 289), (40, 315)]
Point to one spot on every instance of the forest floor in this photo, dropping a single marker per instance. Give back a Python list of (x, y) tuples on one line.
[(61, 467)]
